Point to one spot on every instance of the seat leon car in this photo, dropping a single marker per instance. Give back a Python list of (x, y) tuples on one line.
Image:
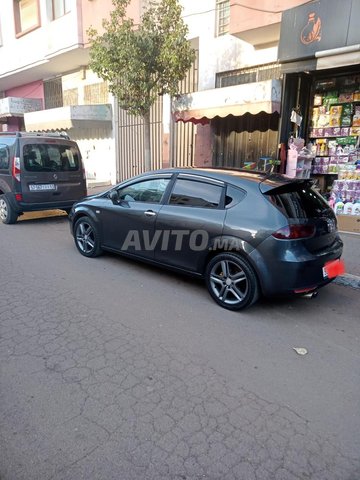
[(245, 233)]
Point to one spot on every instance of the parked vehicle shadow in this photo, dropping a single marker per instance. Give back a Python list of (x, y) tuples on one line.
[(44, 216)]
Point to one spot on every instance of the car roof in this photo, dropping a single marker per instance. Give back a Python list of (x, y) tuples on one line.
[(234, 176)]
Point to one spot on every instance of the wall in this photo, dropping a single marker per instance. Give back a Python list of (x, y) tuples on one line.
[(98, 153), (39, 45), (94, 11), (218, 54), (31, 90), (252, 14)]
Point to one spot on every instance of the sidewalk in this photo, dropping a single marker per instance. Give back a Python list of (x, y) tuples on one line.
[(351, 253), (351, 257)]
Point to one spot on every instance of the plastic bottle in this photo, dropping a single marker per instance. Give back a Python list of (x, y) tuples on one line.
[(348, 208), (356, 209), (339, 208)]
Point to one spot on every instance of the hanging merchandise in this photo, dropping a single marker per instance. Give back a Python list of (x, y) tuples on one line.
[(299, 159), (296, 117)]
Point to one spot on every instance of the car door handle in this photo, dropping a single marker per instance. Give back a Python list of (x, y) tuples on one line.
[(150, 213)]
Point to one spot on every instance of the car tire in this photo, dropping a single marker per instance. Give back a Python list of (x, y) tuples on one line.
[(7, 213), (231, 281), (87, 238)]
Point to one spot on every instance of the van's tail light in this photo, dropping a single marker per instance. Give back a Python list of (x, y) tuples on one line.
[(294, 232), (16, 169)]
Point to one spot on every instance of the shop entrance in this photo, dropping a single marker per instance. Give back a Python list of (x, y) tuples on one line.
[(248, 141)]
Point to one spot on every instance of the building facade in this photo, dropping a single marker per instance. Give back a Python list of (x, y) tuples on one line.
[(45, 83), (258, 61)]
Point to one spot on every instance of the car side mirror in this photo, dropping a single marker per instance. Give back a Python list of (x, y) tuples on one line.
[(114, 196)]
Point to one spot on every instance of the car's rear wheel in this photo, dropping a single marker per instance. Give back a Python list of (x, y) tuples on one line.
[(7, 213), (87, 239), (231, 281)]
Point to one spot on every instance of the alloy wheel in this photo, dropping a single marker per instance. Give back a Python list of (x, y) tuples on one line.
[(229, 282), (3, 209), (85, 237)]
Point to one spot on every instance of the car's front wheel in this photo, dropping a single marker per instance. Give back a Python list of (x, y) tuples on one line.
[(87, 238), (7, 213), (231, 281)]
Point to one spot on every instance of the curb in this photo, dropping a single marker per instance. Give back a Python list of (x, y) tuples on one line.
[(348, 280)]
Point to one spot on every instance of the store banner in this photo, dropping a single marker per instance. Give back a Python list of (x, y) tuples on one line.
[(318, 26)]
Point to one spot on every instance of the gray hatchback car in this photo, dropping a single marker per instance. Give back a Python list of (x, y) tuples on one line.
[(38, 171), (246, 233)]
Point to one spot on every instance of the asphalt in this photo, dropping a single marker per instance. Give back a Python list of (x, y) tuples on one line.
[(351, 252)]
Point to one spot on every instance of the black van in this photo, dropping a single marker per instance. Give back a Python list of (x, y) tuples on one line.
[(38, 171)]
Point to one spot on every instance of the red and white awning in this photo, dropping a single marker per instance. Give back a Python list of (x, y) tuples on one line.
[(253, 98)]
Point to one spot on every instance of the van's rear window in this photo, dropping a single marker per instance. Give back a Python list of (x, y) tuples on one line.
[(299, 201), (40, 157)]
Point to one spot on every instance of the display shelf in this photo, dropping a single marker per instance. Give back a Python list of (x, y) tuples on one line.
[(334, 120)]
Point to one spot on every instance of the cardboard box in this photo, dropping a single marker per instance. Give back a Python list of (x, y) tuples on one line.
[(349, 223)]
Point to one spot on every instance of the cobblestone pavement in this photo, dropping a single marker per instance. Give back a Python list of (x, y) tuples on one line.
[(115, 405)]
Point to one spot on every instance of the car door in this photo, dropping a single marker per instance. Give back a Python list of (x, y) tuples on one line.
[(190, 220), (128, 221)]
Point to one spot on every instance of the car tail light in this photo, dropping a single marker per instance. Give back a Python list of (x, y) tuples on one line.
[(294, 232), (18, 197), (16, 169)]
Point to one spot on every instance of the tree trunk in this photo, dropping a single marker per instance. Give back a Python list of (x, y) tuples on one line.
[(147, 143)]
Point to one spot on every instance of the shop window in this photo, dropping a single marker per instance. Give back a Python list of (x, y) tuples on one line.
[(26, 15), (60, 8), (222, 16), (242, 76)]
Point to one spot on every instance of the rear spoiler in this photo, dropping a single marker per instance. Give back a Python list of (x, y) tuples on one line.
[(277, 183)]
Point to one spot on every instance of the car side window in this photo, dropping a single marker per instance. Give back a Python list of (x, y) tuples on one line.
[(150, 191), (233, 196), (193, 193), (4, 158)]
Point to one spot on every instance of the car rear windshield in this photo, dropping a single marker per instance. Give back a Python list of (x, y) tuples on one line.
[(50, 158), (299, 201)]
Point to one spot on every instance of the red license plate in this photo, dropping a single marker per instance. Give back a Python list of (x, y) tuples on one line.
[(333, 269)]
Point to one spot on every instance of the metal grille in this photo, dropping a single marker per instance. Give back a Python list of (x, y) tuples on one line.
[(96, 93), (183, 134), (131, 158), (190, 82), (222, 16), (53, 93), (241, 140), (71, 97), (259, 73)]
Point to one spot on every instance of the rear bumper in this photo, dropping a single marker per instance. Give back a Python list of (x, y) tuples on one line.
[(293, 270), (20, 207)]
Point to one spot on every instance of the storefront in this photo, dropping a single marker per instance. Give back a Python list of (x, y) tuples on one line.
[(320, 55), (241, 123)]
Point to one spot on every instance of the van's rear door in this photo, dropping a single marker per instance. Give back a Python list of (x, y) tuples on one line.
[(51, 171)]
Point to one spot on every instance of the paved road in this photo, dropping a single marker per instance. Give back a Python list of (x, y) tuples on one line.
[(114, 370)]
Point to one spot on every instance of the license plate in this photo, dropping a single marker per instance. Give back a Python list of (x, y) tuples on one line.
[(45, 186), (333, 269)]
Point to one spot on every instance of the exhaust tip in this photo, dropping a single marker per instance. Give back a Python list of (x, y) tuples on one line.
[(311, 294)]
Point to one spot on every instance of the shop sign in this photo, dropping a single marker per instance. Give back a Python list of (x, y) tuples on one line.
[(16, 106), (318, 26)]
